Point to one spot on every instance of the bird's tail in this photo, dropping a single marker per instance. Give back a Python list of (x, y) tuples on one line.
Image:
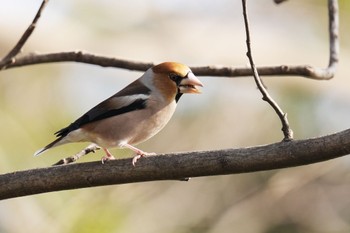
[(55, 143)]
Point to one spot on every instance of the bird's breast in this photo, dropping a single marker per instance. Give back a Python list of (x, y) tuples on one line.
[(157, 118)]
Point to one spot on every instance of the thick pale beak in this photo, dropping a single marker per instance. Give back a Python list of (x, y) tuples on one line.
[(190, 84)]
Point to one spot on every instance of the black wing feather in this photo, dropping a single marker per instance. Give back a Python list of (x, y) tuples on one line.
[(88, 117), (105, 109)]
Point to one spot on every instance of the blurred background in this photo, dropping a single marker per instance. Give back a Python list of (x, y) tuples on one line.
[(38, 100)]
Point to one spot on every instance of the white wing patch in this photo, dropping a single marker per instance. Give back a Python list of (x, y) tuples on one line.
[(122, 101)]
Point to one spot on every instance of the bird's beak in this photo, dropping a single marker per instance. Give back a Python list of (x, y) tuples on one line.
[(189, 84)]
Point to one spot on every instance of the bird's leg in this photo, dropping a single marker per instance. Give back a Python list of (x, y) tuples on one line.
[(108, 156), (139, 153)]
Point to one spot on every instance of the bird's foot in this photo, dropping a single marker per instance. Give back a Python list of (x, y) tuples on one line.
[(139, 155), (107, 157)]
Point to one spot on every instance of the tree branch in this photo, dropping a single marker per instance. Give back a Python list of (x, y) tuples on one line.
[(287, 131), (71, 159), (10, 57), (207, 70), (333, 27), (175, 166)]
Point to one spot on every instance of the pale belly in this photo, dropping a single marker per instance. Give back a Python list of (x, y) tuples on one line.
[(129, 128)]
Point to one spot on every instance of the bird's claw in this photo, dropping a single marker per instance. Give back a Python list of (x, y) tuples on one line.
[(140, 155), (134, 160), (107, 158)]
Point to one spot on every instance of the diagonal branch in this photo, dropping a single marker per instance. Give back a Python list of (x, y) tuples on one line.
[(287, 131), (175, 166), (10, 57), (91, 148)]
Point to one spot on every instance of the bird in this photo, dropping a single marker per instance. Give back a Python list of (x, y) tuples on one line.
[(134, 114)]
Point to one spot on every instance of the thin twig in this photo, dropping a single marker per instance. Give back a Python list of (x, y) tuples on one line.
[(10, 57), (91, 148), (279, 1), (333, 27), (287, 131), (207, 70)]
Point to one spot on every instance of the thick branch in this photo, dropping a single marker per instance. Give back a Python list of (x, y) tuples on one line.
[(175, 166)]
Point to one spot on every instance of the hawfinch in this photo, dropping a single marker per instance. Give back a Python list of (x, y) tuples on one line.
[(134, 114)]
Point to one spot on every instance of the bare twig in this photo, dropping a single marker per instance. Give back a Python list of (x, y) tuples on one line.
[(207, 70), (91, 148), (10, 57), (83, 57), (211, 70), (333, 27), (279, 1), (287, 131), (175, 166)]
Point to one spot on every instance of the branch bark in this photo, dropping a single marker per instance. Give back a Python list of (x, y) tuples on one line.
[(175, 166), (206, 70), (92, 148), (287, 131), (10, 57)]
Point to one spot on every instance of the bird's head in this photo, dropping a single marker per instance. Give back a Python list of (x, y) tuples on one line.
[(174, 79)]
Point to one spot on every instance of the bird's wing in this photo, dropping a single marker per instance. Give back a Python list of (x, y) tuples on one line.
[(131, 98)]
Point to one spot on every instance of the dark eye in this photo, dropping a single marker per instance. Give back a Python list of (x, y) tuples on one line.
[(175, 77)]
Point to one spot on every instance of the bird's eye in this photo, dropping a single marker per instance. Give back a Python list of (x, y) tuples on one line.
[(175, 77)]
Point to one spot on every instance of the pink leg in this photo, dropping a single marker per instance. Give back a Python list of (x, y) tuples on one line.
[(108, 156), (139, 153)]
